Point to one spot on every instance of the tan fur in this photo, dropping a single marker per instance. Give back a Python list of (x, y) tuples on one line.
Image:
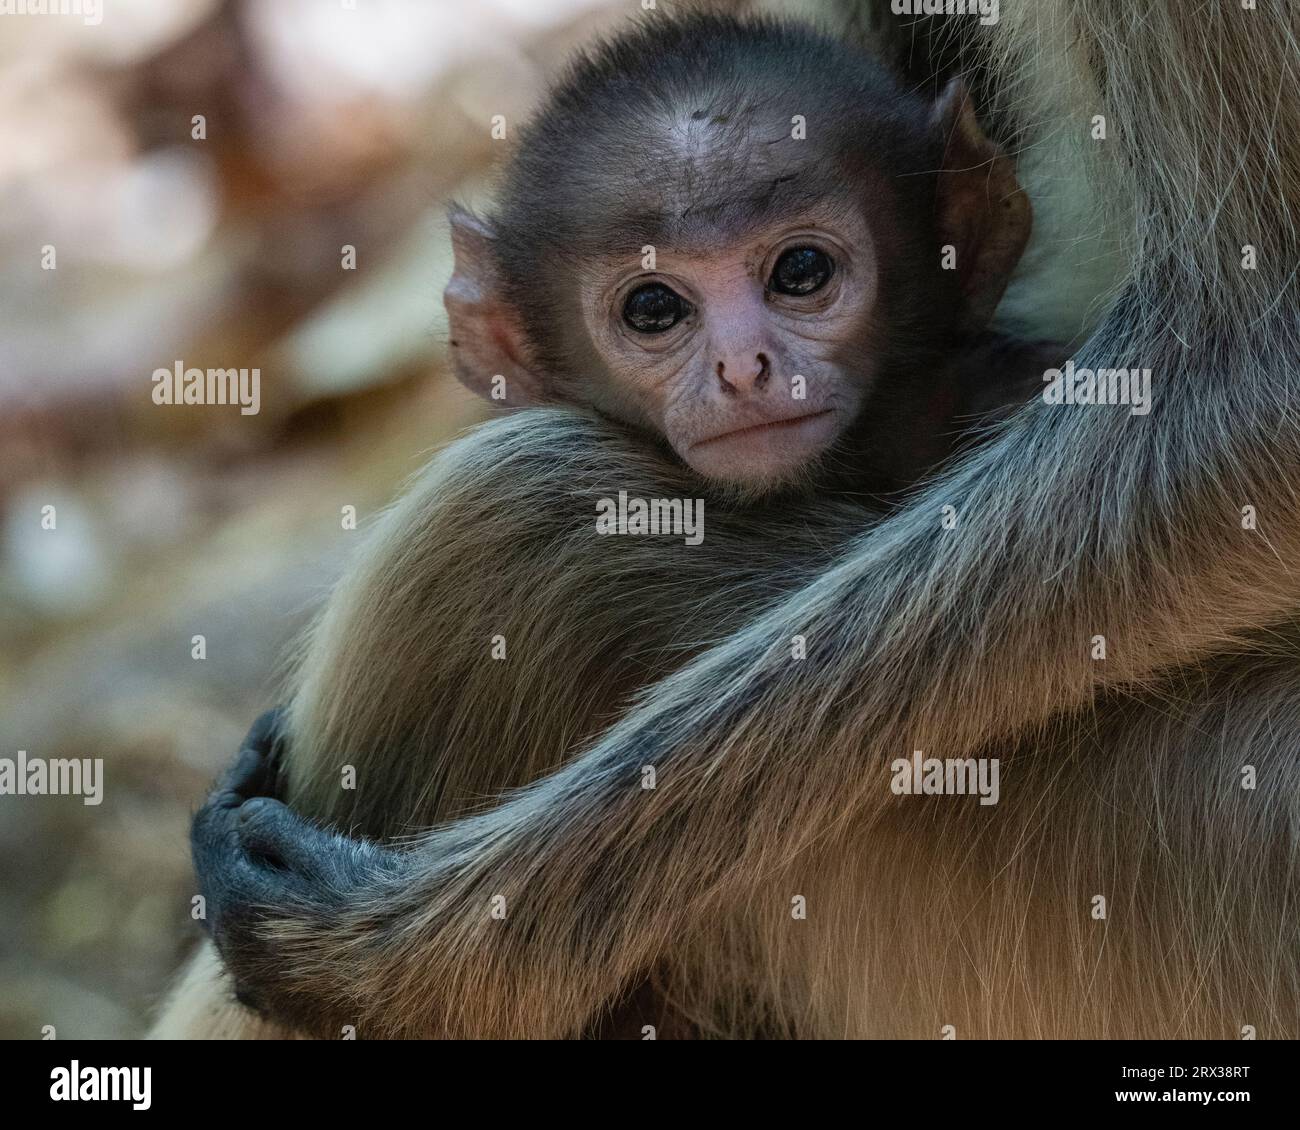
[(201, 1007), (1119, 777)]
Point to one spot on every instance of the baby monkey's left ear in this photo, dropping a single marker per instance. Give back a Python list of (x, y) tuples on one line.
[(489, 353), (983, 211)]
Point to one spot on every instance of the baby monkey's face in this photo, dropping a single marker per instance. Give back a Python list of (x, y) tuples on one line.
[(737, 353), (747, 294)]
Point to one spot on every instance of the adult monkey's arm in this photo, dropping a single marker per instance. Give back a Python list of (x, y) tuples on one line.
[(1077, 522), (921, 639)]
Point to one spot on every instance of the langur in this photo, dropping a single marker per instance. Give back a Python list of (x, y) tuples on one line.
[(808, 336), (1099, 617)]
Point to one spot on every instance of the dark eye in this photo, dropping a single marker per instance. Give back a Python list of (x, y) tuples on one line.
[(653, 308), (801, 270)]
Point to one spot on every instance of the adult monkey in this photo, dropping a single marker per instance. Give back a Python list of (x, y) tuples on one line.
[(1130, 529), (776, 255)]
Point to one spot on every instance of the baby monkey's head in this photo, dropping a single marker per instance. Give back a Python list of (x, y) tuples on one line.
[(741, 235)]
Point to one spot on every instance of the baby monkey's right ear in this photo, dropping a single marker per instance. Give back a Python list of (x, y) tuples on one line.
[(488, 345), (983, 211)]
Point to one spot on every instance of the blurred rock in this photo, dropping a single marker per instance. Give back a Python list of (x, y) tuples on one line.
[(61, 572)]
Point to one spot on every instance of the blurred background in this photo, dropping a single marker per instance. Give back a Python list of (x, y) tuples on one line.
[(181, 182)]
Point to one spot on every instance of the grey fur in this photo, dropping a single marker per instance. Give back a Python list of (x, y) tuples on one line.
[(1120, 777)]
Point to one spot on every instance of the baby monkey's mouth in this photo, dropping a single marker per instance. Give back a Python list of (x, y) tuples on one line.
[(755, 431)]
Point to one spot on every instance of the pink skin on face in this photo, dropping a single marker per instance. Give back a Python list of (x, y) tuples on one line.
[(753, 426), (746, 387)]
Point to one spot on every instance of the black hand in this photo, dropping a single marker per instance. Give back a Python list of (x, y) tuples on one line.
[(258, 862)]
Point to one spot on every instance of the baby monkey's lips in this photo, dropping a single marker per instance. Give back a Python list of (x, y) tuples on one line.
[(767, 448), (768, 426)]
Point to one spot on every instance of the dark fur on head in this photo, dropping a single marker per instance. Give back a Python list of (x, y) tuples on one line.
[(679, 133)]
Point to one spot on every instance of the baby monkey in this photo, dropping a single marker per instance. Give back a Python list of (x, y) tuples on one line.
[(744, 243), (772, 259)]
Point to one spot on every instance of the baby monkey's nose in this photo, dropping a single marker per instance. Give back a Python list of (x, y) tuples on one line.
[(744, 375)]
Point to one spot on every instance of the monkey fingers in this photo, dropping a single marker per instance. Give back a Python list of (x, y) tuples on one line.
[(260, 865), (255, 770), (301, 857)]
